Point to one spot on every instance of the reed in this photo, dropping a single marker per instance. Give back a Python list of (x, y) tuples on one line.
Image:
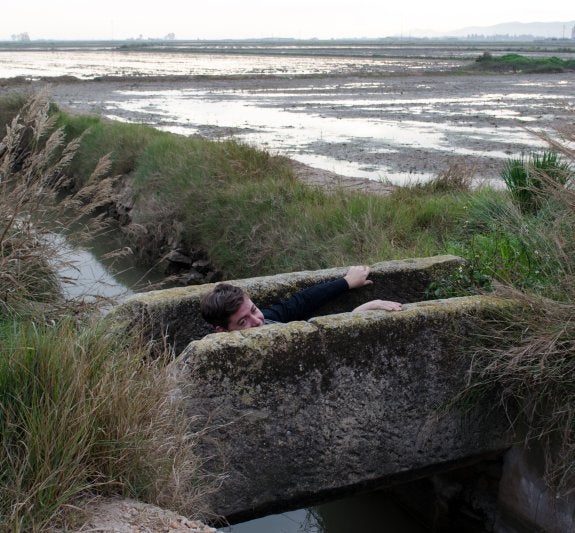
[(83, 409), (85, 412), (34, 157)]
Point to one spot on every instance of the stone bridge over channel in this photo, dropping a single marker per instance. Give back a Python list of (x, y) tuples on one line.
[(341, 402)]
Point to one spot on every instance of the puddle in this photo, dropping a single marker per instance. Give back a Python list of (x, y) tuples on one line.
[(308, 127)]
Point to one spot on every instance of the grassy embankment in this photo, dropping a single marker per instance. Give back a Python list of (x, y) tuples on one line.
[(252, 217), (247, 211)]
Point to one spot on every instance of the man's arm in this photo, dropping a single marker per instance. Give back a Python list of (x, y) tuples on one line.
[(302, 304), (378, 304)]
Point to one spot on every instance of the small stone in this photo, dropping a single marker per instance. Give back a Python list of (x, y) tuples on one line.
[(203, 265), (178, 257), (212, 277), (191, 278)]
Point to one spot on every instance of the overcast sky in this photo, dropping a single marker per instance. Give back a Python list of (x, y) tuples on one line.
[(216, 19)]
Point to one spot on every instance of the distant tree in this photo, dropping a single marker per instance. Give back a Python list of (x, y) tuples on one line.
[(23, 37), (170, 37)]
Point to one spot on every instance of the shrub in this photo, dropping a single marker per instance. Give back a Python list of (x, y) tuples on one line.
[(530, 359), (524, 178), (519, 63)]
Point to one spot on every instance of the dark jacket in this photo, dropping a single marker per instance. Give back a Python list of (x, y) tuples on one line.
[(302, 304)]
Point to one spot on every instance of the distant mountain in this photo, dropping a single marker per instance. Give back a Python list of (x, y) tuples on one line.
[(557, 30)]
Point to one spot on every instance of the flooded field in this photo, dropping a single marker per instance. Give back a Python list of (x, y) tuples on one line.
[(387, 112), (382, 112)]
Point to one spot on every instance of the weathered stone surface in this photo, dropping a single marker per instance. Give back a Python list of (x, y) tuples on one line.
[(341, 401), (526, 503), (174, 313)]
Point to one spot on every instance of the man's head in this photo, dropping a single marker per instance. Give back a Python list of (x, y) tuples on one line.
[(229, 308)]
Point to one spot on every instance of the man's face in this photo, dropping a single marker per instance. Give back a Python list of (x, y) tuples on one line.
[(247, 316)]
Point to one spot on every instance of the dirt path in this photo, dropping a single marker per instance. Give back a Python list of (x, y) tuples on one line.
[(330, 180)]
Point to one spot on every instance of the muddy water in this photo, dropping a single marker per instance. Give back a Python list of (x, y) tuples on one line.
[(101, 269), (400, 129)]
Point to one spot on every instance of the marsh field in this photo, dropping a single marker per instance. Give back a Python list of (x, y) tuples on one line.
[(383, 111), (367, 114)]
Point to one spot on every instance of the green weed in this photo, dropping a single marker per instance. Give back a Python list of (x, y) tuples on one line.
[(529, 359), (524, 178), (519, 63)]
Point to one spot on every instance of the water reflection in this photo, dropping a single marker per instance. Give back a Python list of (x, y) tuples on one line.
[(367, 512), (82, 276), (87, 64), (306, 127), (102, 270)]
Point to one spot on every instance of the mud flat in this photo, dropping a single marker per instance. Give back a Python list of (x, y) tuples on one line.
[(392, 128)]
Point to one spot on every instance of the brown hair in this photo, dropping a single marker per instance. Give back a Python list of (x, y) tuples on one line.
[(222, 302)]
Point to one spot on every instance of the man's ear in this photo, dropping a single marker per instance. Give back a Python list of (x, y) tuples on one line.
[(220, 329)]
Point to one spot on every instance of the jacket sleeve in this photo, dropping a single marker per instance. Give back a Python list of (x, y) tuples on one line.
[(302, 304)]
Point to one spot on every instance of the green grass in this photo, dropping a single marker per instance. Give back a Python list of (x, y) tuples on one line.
[(238, 203), (524, 64), (527, 359), (123, 142), (527, 179)]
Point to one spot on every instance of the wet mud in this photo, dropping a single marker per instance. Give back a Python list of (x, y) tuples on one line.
[(389, 129)]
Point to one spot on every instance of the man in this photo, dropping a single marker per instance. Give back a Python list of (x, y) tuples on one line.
[(229, 308)]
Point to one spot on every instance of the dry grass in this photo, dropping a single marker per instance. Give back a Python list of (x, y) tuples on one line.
[(83, 410), (33, 160), (458, 177), (529, 358)]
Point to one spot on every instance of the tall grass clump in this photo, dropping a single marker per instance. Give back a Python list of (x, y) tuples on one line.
[(83, 412), (528, 179), (528, 359), (520, 238)]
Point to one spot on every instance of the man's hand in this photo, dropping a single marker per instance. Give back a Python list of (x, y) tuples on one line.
[(378, 304), (357, 277)]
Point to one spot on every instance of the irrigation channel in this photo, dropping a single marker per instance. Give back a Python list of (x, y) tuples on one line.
[(88, 274)]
